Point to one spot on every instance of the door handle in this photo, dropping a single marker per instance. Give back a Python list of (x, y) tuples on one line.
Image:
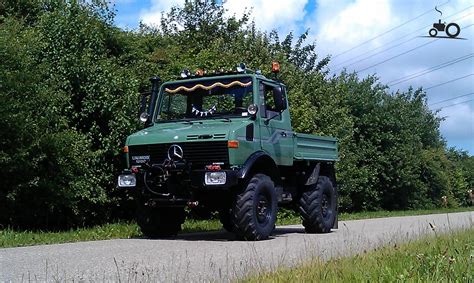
[(283, 134)]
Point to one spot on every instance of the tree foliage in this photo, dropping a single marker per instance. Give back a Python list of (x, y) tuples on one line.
[(69, 85)]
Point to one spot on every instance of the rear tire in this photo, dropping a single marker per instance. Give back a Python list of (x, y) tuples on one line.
[(457, 31), (160, 222), (318, 207), (254, 213)]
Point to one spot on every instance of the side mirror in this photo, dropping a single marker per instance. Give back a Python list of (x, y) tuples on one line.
[(279, 98), (142, 114)]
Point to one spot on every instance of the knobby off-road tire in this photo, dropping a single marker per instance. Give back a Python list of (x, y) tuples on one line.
[(318, 207), (160, 222), (254, 212)]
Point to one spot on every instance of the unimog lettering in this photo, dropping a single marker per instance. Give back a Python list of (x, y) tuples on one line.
[(223, 142)]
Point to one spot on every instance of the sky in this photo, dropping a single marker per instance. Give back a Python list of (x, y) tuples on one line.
[(388, 38)]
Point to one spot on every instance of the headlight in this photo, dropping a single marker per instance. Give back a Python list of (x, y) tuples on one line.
[(215, 178), (252, 109), (127, 180)]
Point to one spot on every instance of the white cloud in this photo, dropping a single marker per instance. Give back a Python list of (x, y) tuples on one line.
[(152, 16), (282, 15), (353, 21)]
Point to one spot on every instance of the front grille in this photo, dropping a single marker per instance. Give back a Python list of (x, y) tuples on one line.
[(198, 153)]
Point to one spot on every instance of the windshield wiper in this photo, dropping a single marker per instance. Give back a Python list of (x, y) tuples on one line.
[(186, 121), (189, 121), (226, 119)]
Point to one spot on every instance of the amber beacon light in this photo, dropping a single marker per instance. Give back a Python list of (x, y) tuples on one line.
[(275, 67)]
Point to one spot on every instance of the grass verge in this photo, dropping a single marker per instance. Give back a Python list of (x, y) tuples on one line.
[(124, 230), (440, 258)]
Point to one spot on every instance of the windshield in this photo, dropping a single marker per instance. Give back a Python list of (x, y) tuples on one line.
[(206, 99)]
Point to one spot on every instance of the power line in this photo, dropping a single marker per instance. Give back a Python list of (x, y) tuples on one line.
[(388, 31), (403, 53), (450, 81), (369, 57), (405, 36), (429, 70), (446, 100), (462, 102), (398, 55)]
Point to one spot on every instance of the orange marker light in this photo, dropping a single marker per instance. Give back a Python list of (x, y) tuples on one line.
[(233, 144), (275, 67), (125, 149)]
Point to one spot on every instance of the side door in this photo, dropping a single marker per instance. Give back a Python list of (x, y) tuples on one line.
[(276, 136)]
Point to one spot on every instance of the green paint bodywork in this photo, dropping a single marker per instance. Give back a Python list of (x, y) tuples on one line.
[(277, 138)]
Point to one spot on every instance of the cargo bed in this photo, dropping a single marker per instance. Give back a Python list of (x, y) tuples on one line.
[(310, 147)]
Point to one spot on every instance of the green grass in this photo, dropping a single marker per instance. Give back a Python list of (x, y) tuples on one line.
[(124, 230), (289, 217), (121, 230), (444, 258)]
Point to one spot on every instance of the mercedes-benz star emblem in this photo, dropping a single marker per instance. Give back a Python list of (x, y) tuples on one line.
[(175, 152)]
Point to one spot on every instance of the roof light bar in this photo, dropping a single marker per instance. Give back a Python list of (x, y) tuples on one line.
[(241, 68)]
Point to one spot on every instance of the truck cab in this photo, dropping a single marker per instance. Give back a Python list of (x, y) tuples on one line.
[(224, 142)]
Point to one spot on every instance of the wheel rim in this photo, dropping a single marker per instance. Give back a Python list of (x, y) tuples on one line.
[(263, 209)]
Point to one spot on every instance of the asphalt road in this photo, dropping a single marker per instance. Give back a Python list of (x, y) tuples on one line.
[(212, 256)]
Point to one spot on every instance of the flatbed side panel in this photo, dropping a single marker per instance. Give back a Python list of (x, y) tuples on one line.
[(310, 147)]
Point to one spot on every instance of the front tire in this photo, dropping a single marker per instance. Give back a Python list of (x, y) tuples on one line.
[(160, 222), (254, 213), (318, 207), (433, 32)]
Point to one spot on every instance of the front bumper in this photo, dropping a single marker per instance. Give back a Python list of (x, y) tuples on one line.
[(129, 180)]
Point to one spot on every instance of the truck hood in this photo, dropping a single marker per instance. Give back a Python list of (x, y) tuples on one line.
[(177, 132)]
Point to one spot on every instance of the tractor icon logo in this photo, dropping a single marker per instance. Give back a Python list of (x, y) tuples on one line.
[(452, 29)]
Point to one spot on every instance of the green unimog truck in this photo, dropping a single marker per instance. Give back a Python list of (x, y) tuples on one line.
[(223, 142)]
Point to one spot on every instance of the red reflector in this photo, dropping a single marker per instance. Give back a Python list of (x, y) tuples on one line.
[(213, 167), (134, 169)]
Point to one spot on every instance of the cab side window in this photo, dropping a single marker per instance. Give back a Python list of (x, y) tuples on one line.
[(269, 99)]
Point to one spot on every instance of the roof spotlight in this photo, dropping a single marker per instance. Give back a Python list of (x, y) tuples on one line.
[(185, 73), (241, 68)]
